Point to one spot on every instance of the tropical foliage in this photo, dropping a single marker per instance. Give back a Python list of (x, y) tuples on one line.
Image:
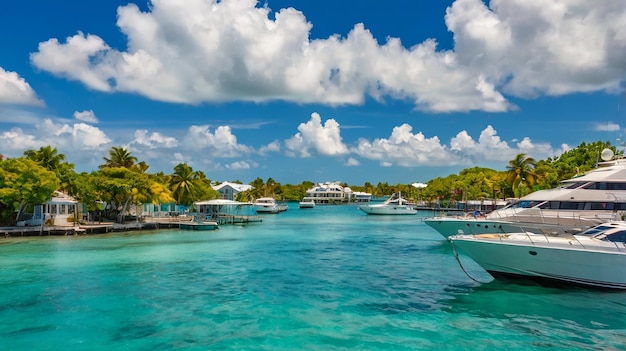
[(23, 182)]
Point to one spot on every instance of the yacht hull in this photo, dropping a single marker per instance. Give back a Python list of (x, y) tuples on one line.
[(566, 265)]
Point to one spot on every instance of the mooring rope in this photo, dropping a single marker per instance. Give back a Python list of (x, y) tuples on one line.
[(456, 255)]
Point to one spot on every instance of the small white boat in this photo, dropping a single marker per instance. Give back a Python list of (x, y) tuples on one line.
[(593, 258), (307, 203), (266, 205), (395, 205)]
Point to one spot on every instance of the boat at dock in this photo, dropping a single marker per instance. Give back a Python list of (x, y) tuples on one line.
[(394, 205), (266, 205), (593, 258)]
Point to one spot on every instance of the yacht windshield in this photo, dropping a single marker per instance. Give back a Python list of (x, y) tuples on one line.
[(595, 230), (524, 204), (616, 237)]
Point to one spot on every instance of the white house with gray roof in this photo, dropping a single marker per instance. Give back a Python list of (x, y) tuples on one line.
[(230, 190)]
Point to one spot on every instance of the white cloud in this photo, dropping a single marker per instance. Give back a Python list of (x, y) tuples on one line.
[(220, 144), (230, 50), (403, 148), (274, 146), (242, 165), (16, 140), (78, 136), (313, 137), (86, 116), (352, 162), (153, 140), (15, 90), (82, 144), (606, 127), (541, 47)]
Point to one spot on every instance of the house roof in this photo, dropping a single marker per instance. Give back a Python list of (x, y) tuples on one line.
[(238, 187)]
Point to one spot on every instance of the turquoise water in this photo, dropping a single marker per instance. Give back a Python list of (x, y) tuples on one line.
[(329, 278)]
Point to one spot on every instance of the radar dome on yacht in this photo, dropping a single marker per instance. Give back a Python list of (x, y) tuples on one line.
[(607, 154)]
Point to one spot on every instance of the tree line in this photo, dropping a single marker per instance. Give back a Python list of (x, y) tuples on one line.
[(121, 180)]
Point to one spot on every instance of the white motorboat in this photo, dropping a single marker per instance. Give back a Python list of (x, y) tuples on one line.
[(579, 203), (307, 203), (593, 258), (395, 205), (266, 205)]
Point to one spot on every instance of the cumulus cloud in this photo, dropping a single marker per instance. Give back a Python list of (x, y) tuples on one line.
[(86, 116), (81, 143), (15, 90), (352, 162), (222, 143), (77, 136), (527, 48), (229, 50), (313, 137), (274, 146), (16, 140), (153, 140), (404, 148)]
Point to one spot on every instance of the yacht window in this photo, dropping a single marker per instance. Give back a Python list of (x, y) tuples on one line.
[(601, 205), (616, 186), (617, 237), (596, 230), (569, 205), (554, 205)]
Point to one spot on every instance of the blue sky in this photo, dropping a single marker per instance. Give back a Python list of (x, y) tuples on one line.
[(397, 91)]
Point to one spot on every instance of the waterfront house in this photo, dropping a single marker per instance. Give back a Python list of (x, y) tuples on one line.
[(333, 193), (228, 190), (59, 211)]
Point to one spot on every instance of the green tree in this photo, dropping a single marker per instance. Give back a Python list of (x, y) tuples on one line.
[(521, 170), (183, 183), (49, 158), (122, 187), (24, 182), (119, 157)]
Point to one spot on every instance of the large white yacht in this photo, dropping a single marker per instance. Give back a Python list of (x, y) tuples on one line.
[(593, 198), (592, 258)]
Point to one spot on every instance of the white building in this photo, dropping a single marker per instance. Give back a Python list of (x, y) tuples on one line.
[(59, 211), (333, 193), (229, 191)]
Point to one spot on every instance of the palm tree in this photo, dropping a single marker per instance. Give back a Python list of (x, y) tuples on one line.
[(119, 157), (47, 156), (140, 167), (182, 183), (521, 170)]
